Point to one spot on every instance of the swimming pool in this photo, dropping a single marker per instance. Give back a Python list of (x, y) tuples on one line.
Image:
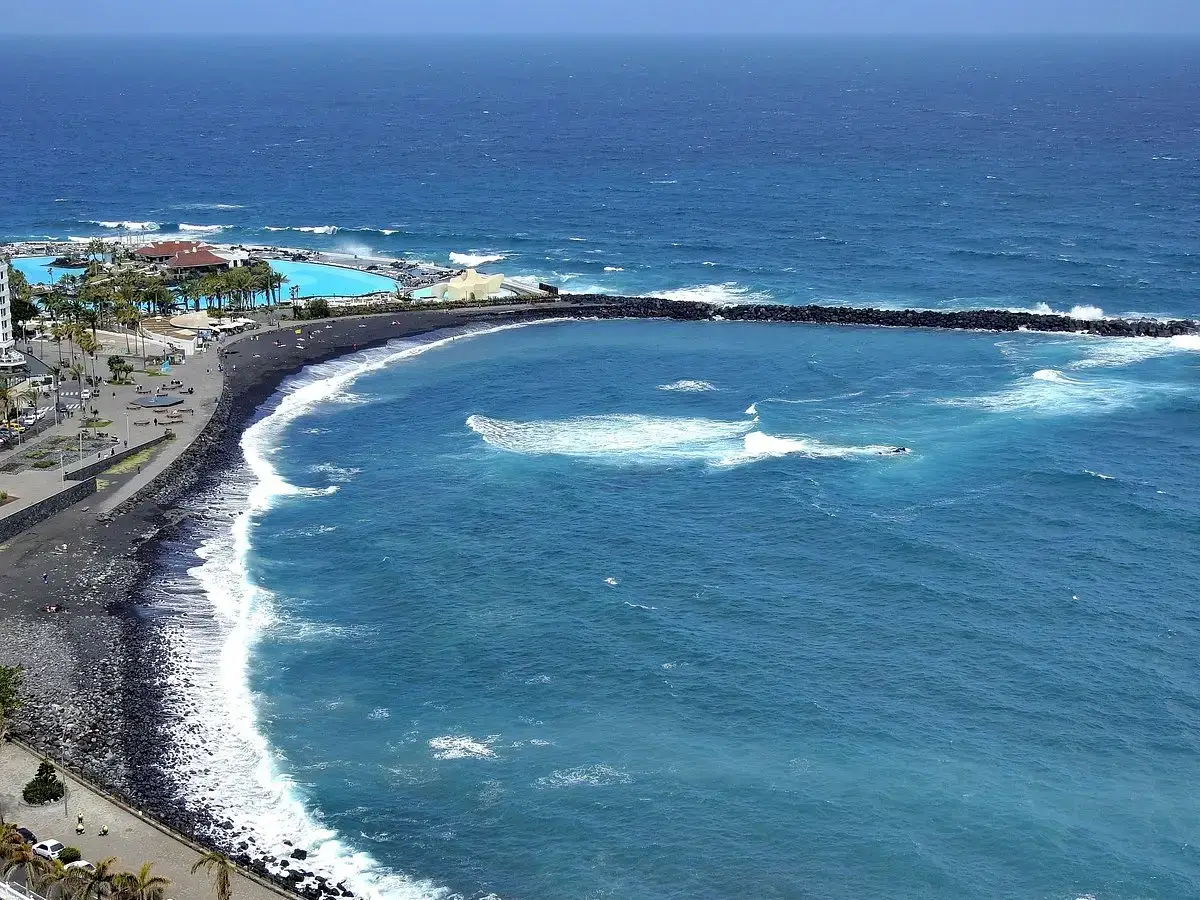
[(37, 270), (319, 280)]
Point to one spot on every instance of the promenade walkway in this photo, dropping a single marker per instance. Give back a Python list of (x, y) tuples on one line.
[(60, 444), (133, 839)]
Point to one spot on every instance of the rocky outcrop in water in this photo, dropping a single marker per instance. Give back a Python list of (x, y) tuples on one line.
[(602, 306)]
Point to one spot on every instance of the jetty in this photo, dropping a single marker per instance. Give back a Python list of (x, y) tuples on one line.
[(603, 306)]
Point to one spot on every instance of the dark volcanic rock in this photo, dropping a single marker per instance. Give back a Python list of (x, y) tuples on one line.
[(600, 306)]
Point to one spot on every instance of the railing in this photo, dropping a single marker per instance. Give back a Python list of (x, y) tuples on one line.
[(10, 891)]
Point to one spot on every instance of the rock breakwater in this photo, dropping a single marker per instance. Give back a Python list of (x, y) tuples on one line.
[(603, 306)]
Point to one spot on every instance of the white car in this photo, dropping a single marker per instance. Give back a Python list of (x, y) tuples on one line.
[(80, 864), (85, 394), (48, 849)]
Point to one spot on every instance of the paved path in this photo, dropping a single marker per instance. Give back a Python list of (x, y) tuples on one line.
[(133, 839), (112, 403)]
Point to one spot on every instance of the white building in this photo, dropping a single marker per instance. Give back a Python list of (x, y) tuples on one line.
[(468, 285), (11, 362)]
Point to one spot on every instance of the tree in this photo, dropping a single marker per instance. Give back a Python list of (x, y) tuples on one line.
[(76, 370), (44, 787), (12, 678), (89, 345), (221, 869), (316, 308), (98, 883), (21, 859), (118, 366), (139, 885)]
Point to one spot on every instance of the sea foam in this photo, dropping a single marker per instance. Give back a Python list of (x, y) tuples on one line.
[(225, 762), (475, 258), (640, 439), (687, 386)]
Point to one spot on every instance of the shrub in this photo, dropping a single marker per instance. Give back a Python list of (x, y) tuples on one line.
[(45, 464), (45, 786), (69, 855), (316, 308)]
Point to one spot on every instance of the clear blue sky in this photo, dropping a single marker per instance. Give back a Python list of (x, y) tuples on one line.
[(598, 16)]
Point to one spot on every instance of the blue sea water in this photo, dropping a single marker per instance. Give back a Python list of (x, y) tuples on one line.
[(904, 172), (652, 610)]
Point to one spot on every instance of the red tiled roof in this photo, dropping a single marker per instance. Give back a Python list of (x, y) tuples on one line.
[(166, 248), (194, 258)]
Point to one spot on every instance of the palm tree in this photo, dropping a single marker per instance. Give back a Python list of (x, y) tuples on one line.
[(98, 883), (8, 401), (222, 871), (139, 885), (89, 345), (58, 333), (77, 371), (21, 858)]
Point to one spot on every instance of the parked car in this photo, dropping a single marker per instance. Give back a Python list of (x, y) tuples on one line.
[(27, 419), (81, 865), (27, 836), (85, 394), (48, 849)]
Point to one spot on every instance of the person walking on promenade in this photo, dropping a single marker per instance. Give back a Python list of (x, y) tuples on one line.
[(45, 578)]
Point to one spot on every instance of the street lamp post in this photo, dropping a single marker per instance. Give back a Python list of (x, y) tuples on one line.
[(126, 429)]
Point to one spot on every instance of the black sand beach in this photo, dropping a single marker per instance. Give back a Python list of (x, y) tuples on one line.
[(95, 672)]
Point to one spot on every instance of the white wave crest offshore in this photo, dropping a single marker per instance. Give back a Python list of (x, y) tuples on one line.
[(127, 226), (307, 229), (1105, 352), (656, 439), (474, 258), (1087, 313), (688, 386), (1049, 392), (226, 762), (201, 229), (728, 293)]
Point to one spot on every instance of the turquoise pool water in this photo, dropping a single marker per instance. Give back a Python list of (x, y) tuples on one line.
[(318, 280), (37, 270)]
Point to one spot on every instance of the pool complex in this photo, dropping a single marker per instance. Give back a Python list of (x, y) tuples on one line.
[(37, 270), (319, 280), (313, 279)]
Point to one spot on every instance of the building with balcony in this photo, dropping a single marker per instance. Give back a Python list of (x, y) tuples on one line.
[(12, 363)]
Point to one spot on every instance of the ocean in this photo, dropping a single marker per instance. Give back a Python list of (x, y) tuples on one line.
[(686, 610)]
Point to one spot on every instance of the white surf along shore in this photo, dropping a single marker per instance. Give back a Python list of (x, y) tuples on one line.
[(226, 762), (228, 765)]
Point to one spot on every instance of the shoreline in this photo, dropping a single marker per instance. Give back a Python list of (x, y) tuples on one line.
[(114, 729), (95, 676)]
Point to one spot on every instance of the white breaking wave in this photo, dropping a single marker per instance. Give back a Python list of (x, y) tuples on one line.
[(727, 293), (688, 386), (454, 746), (476, 259), (1054, 375), (226, 761), (1089, 313), (1050, 392), (613, 269), (1117, 352), (209, 206), (309, 229), (128, 226), (656, 439), (201, 229)]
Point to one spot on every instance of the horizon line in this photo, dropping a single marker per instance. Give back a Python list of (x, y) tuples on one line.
[(384, 35)]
